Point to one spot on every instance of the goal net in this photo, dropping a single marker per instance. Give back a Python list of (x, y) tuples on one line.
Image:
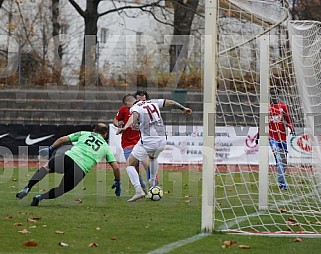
[(260, 55)]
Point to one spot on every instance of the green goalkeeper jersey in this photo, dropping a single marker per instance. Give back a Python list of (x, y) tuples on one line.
[(90, 149)]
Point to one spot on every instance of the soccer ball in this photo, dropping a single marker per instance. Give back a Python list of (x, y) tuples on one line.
[(155, 193)]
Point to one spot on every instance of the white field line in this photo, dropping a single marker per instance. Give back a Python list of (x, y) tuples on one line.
[(172, 246)]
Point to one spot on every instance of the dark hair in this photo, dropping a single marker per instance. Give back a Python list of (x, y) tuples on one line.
[(125, 98), (101, 128), (141, 93), (274, 95)]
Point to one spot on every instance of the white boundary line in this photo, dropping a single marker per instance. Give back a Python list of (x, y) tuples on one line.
[(172, 246)]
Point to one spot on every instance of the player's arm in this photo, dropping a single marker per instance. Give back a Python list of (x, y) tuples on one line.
[(288, 120), (176, 105), (132, 119), (115, 122), (60, 141), (117, 183), (118, 120), (49, 150), (115, 167)]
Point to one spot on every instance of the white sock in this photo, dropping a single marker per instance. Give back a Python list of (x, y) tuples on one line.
[(134, 178), (153, 167)]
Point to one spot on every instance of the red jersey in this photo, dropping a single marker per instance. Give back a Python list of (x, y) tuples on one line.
[(131, 135), (279, 119)]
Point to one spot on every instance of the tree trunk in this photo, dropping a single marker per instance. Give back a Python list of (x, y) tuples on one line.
[(184, 11), (1, 2), (307, 9), (57, 78), (88, 71)]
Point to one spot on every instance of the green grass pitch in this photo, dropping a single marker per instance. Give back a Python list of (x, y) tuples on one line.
[(91, 213)]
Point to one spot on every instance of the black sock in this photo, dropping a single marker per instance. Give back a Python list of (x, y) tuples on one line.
[(39, 175)]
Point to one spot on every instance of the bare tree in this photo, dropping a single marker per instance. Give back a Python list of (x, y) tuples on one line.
[(91, 16), (55, 32), (184, 12)]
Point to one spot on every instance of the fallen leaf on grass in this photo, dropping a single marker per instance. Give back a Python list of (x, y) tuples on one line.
[(8, 217), (35, 218), (14, 180), (113, 238), (33, 227), (59, 232), (228, 243), (63, 244), (282, 210), (298, 240), (292, 220), (188, 196), (188, 201), (24, 231), (241, 246), (98, 228), (18, 224), (31, 220), (93, 244), (30, 243), (78, 200)]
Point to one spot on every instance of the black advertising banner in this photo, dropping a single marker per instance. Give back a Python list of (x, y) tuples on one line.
[(18, 138)]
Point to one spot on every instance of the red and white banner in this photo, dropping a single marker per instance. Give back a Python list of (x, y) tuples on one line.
[(234, 145)]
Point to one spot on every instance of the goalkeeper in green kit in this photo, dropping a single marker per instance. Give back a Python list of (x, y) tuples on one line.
[(90, 149)]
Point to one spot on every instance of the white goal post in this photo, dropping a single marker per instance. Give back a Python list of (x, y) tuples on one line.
[(250, 48)]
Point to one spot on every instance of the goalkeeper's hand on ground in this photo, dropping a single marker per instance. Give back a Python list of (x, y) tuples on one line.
[(46, 151), (118, 187)]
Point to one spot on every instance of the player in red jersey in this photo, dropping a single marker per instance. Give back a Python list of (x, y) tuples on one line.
[(279, 120), (131, 135)]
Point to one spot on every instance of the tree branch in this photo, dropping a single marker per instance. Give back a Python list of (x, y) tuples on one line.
[(1, 2), (157, 19), (154, 4), (77, 7)]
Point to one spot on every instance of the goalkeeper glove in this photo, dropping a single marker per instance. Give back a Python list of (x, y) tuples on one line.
[(46, 151), (118, 187)]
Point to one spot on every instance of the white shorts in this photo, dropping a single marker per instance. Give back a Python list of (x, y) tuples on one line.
[(142, 151)]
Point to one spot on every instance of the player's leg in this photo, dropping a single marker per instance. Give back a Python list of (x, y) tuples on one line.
[(146, 167), (73, 175), (279, 157), (283, 164), (49, 167), (153, 167), (153, 153), (127, 152), (138, 154)]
